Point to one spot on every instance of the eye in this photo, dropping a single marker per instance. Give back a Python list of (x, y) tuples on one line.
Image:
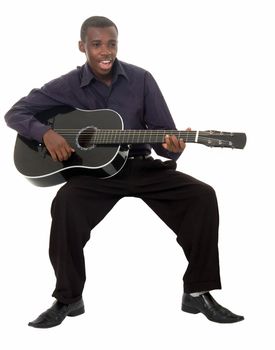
[(113, 45), (96, 45)]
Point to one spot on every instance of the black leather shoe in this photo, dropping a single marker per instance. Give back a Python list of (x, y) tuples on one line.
[(207, 305), (57, 313)]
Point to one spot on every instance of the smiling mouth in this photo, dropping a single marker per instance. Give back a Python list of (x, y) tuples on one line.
[(106, 64)]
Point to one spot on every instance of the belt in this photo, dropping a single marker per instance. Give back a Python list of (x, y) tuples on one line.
[(139, 157)]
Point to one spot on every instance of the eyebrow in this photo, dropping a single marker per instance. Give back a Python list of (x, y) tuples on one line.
[(99, 41)]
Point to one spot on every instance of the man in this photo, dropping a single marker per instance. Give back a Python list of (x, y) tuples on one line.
[(186, 205)]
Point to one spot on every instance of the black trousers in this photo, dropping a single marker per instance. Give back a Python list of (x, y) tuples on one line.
[(188, 206)]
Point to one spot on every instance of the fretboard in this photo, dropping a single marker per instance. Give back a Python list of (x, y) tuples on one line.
[(140, 136)]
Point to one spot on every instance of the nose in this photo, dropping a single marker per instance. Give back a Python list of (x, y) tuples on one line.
[(105, 49)]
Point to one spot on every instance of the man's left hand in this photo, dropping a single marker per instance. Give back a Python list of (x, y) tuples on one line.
[(173, 144)]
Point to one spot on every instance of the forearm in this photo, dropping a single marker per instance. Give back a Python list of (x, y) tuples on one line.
[(21, 118), (158, 148)]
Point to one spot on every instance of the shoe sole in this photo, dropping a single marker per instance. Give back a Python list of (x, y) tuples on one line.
[(189, 309), (192, 310)]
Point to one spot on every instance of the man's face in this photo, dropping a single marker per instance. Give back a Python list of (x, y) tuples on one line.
[(100, 48)]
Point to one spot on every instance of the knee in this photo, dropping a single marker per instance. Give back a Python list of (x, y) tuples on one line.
[(65, 197), (65, 193), (207, 192)]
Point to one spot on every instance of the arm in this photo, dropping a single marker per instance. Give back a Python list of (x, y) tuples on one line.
[(158, 116), (21, 117)]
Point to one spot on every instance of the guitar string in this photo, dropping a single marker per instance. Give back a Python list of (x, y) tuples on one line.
[(106, 141), (103, 135), (144, 140), (146, 131), (141, 134), (97, 137), (122, 136)]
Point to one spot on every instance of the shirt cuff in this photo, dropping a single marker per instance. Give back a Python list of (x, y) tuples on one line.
[(164, 153), (38, 130)]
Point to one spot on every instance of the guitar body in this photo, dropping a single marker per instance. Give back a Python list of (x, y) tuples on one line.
[(34, 162)]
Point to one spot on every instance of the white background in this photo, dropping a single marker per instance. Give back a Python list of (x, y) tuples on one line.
[(214, 62)]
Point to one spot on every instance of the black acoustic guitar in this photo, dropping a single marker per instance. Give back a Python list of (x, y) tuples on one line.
[(100, 143)]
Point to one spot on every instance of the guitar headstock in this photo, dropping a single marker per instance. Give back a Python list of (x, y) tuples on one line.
[(212, 138)]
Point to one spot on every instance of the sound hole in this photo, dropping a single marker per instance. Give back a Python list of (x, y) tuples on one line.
[(85, 138)]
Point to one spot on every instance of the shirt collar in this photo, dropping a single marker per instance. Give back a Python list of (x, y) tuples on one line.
[(88, 76)]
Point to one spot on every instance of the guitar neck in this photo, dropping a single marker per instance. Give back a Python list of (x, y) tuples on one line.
[(92, 136)]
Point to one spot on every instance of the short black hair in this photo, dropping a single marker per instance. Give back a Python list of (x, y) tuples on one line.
[(95, 21)]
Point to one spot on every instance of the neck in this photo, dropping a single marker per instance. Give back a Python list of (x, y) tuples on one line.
[(105, 79)]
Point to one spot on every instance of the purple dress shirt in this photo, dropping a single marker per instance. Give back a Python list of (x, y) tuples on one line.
[(134, 94)]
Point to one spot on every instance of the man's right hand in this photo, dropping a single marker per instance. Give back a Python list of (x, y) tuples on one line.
[(57, 146)]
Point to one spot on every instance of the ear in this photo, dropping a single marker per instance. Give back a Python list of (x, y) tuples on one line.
[(81, 46)]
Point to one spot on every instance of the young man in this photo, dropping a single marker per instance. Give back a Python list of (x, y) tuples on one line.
[(186, 205)]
